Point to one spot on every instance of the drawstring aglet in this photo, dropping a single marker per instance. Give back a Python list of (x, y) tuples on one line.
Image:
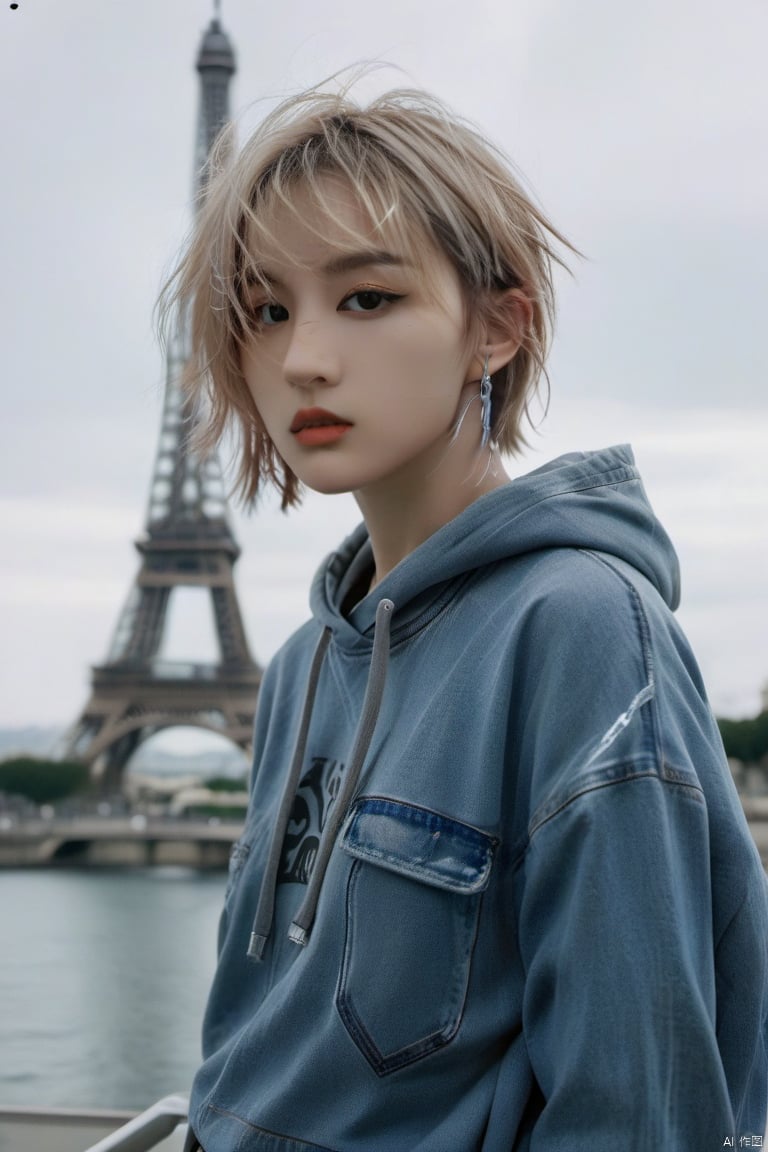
[(256, 946), (298, 934)]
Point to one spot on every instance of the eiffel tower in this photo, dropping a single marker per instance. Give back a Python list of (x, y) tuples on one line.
[(188, 541)]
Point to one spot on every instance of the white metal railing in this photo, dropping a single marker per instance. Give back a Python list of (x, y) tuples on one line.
[(147, 1129)]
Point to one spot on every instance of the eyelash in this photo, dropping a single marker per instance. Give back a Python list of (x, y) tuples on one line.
[(389, 297)]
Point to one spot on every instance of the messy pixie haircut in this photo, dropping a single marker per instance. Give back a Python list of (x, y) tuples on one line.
[(427, 180)]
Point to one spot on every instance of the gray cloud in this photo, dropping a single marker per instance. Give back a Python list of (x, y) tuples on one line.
[(641, 130)]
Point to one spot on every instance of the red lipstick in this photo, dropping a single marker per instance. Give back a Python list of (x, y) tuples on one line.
[(314, 427)]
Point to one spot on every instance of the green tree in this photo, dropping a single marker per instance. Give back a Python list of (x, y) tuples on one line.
[(746, 740), (42, 781), (226, 784), (761, 735)]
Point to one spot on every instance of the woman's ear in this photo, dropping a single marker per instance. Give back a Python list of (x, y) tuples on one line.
[(508, 322)]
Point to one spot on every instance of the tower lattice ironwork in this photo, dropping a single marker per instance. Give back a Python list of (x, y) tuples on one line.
[(188, 541)]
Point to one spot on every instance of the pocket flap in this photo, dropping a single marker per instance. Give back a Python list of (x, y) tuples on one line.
[(419, 843)]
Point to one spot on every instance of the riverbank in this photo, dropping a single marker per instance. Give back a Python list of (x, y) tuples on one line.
[(120, 841)]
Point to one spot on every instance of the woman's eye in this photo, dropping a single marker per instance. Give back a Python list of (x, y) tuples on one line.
[(368, 300), (269, 314)]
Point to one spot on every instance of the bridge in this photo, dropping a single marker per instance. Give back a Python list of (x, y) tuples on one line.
[(144, 841), (116, 841)]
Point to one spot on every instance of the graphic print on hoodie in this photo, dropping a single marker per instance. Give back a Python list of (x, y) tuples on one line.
[(311, 807)]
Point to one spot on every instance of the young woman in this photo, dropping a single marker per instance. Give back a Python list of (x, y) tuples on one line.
[(495, 890)]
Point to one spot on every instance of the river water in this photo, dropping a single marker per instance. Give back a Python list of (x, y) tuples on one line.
[(103, 979)]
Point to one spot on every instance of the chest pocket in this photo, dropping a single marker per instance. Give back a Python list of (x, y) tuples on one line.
[(412, 907)]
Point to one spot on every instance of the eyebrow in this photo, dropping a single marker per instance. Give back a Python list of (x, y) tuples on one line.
[(352, 260), (347, 262)]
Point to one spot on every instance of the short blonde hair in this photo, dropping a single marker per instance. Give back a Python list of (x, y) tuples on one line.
[(427, 179)]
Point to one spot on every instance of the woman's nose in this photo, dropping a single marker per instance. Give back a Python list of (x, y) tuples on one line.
[(310, 356)]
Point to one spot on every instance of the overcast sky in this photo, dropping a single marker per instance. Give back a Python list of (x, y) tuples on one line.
[(642, 130)]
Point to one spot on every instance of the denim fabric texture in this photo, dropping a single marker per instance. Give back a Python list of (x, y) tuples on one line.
[(419, 843), (409, 847), (543, 924)]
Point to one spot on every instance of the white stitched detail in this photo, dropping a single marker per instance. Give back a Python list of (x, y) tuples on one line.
[(620, 724)]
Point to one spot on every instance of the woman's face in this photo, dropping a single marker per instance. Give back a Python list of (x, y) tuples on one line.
[(361, 336)]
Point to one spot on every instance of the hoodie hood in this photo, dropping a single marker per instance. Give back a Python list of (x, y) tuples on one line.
[(592, 500)]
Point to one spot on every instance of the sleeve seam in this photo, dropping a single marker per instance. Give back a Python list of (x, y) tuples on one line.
[(597, 785), (666, 776)]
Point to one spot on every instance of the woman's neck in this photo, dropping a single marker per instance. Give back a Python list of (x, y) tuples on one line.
[(402, 512)]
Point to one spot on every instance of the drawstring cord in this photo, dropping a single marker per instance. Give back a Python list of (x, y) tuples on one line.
[(377, 674), (262, 923), (302, 924)]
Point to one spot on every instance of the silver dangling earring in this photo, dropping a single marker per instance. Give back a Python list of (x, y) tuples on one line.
[(485, 404)]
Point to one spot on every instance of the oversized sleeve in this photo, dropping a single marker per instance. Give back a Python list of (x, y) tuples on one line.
[(641, 901)]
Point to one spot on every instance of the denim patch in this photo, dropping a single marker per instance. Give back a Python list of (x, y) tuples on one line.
[(419, 843)]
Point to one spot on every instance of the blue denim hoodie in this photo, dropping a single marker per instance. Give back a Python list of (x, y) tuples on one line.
[(495, 890)]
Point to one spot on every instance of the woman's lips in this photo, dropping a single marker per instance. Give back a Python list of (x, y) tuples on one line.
[(320, 434), (307, 417)]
